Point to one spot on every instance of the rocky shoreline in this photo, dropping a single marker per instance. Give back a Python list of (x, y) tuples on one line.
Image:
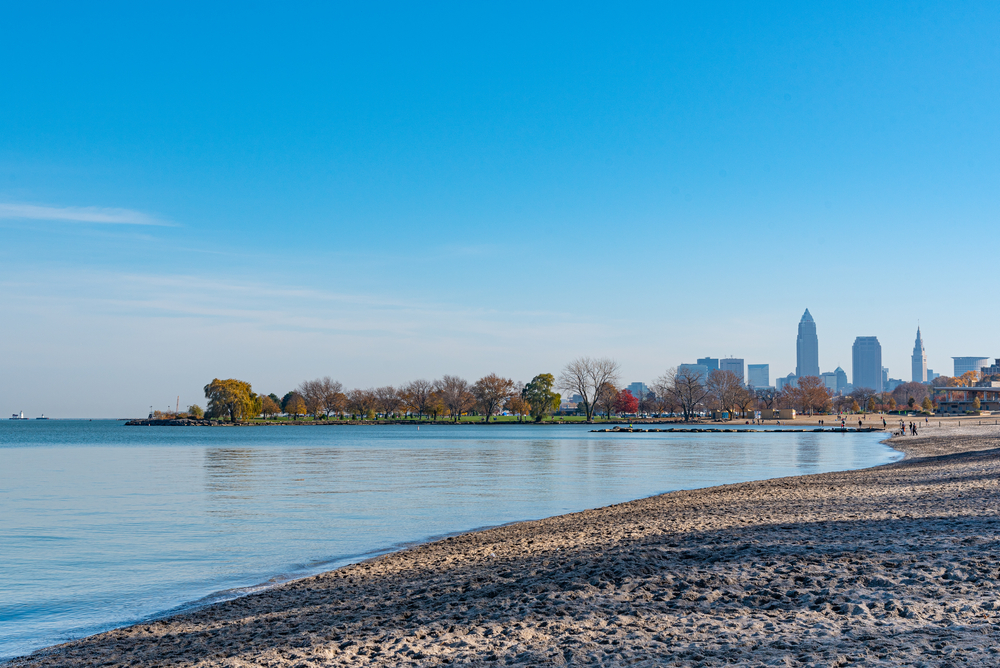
[(895, 565)]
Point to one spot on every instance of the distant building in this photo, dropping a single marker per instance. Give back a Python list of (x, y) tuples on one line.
[(919, 360), (866, 367), (758, 375), (791, 380), (638, 390), (964, 364), (959, 400), (841, 381), (891, 384), (807, 348), (710, 363), (829, 379), (733, 364), (931, 375), (993, 370), (699, 369)]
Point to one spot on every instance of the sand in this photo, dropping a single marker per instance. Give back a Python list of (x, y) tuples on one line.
[(897, 565)]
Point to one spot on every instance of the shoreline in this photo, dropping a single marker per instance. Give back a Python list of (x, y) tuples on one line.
[(556, 585)]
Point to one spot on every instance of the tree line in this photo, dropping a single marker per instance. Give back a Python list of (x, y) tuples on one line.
[(594, 381)]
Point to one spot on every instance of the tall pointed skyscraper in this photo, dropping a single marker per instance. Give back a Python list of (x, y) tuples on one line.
[(807, 348), (919, 360)]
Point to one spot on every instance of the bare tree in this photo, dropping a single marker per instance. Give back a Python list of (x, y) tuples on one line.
[(647, 402), (361, 402), (456, 394), (388, 400), (320, 395), (910, 394), (606, 396), (724, 388), (745, 398), (492, 392), (685, 387), (332, 395), (863, 395), (417, 394), (585, 376), (311, 393), (766, 397)]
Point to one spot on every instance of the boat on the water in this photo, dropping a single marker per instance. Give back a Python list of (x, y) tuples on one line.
[(18, 416)]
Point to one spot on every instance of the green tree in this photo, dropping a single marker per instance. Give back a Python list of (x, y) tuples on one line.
[(195, 411), (539, 395), (231, 397), (927, 405), (976, 404)]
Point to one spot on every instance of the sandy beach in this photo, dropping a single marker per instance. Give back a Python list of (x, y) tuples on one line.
[(897, 565)]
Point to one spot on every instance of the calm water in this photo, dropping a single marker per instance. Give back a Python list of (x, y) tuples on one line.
[(103, 524)]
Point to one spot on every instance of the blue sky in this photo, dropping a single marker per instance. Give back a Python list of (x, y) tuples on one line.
[(385, 192)]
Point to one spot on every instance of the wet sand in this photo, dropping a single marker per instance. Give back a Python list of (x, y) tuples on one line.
[(896, 565)]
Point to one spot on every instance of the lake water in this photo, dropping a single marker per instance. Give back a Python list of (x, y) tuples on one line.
[(103, 524)]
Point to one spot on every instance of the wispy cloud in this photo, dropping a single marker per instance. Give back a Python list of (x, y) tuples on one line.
[(79, 214)]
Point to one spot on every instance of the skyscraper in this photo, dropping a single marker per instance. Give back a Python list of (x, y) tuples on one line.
[(841, 379), (807, 348), (867, 363), (638, 390), (733, 364), (758, 375), (710, 363), (919, 360)]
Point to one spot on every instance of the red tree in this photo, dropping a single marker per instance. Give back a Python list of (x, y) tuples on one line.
[(626, 403)]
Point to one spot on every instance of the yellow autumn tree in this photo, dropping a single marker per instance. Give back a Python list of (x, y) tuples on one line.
[(232, 398)]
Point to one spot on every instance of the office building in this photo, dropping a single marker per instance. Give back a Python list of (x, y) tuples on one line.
[(919, 360), (931, 375), (638, 390), (700, 369), (791, 380), (807, 348), (733, 364), (710, 363), (964, 364), (758, 375), (829, 379), (866, 357), (841, 380), (993, 370)]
